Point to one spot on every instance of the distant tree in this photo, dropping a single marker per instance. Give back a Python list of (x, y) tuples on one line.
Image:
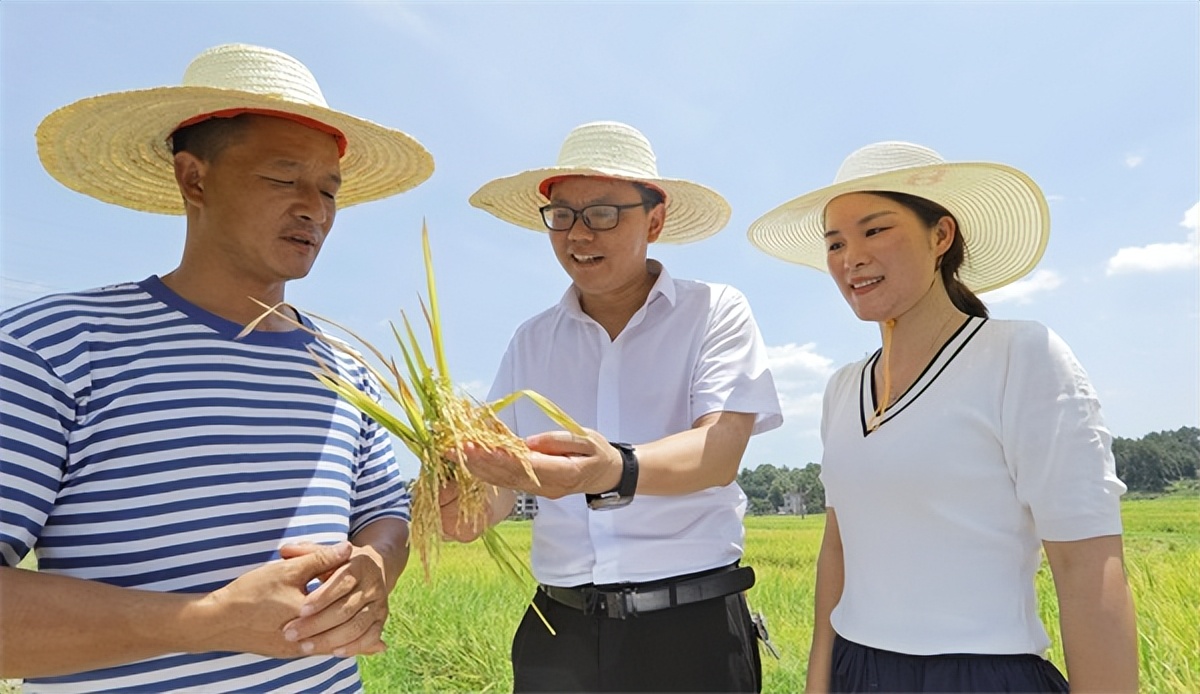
[(767, 485), (757, 482), (809, 484), (778, 490), (760, 507), (1180, 449), (1153, 462)]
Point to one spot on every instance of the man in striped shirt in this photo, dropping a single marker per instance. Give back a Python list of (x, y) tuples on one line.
[(185, 489)]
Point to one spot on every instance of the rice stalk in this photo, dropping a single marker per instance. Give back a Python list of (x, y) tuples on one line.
[(437, 423)]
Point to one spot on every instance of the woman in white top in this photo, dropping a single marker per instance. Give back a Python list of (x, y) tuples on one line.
[(957, 451)]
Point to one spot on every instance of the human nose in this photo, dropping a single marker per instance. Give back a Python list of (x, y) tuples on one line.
[(855, 254), (314, 205), (579, 229)]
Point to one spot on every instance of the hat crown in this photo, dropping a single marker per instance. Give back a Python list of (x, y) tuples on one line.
[(254, 69), (609, 146), (885, 157)]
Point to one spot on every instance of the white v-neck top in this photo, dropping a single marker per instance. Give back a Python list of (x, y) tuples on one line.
[(942, 509), (693, 348)]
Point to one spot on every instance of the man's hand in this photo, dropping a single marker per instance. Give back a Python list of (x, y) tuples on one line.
[(563, 462), (252, 610), (454, 526), (499, 504), (345, 615)]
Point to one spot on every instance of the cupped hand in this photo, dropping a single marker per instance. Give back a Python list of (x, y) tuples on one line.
[(454, 526), (249, 613), (567, 463), (345, 615)]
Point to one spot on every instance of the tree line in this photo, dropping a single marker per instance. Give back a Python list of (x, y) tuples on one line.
[(1151, 463), (1155, 461), (767, 488)]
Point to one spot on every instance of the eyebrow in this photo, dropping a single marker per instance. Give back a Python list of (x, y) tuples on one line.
[(869, 218), (292, 165)]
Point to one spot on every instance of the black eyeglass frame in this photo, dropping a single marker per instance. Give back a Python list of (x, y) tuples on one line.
[(576, 215)]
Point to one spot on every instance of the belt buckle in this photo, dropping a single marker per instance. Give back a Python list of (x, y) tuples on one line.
[(613, 604), (593, 601), (621, 603)]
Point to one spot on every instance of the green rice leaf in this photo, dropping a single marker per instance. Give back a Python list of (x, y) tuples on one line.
[(552, 411), (435, 322)]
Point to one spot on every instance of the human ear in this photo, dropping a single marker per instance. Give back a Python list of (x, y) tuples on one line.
[(189, 176), (943, 235), (658, 218)]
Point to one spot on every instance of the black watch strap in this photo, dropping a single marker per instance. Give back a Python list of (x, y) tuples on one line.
[(629, 475)]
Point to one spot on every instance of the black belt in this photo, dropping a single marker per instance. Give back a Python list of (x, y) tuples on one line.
[(622, 602)]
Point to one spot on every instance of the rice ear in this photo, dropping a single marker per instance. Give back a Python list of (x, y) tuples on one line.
[(439, 421)]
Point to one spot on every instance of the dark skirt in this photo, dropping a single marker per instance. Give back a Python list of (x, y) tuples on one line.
[(858, 668)]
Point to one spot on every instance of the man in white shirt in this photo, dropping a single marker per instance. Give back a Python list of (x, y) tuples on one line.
[(639, 533)]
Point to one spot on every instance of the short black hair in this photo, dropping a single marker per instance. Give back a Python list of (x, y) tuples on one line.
[(208, 138), (651, 198)]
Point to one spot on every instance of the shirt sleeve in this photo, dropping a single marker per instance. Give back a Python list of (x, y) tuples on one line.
[(733, 374), (1056, 445), (503, 385), (379, 490), (833, 391), (37, 412)]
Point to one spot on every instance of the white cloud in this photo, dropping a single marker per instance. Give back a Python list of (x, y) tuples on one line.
[(1157, 257), (475, 389), (1055, 198), (1134, 160), (800, 374), (1024, 291), (1160, 257)]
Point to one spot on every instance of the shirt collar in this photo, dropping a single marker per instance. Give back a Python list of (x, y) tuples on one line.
[(663, 286)]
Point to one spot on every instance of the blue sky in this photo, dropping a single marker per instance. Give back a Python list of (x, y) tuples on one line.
[(1097, 101)]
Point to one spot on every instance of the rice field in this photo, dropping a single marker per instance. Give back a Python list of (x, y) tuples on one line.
[(454, 633)]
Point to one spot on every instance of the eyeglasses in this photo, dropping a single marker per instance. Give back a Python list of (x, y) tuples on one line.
[(595, 217)]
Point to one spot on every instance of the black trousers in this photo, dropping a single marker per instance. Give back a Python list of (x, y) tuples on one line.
[(858, 668), (707, 646)]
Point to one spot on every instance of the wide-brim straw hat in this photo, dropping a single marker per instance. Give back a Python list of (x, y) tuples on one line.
[(610, 150), (116, 147), (1002, 214)]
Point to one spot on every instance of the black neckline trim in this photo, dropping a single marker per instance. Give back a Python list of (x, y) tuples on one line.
[(868, 398)]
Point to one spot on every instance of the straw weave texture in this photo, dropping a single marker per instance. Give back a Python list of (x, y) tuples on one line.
[(611, 150), (115, 147), (1002, 214)]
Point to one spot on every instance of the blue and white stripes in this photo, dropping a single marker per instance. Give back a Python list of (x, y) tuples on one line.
[(143, 446)]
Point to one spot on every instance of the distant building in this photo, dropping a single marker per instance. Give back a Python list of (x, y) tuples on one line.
[(526, 507), (793, 504)]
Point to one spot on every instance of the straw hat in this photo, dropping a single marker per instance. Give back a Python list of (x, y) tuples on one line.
[(1001, 212), (611, 150), (116, 147)]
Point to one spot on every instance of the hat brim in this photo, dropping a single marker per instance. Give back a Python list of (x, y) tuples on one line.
[(694, 212), (114, 147), (1001, 212)]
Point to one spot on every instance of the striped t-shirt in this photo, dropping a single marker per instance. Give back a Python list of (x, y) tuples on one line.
[(145, 447)]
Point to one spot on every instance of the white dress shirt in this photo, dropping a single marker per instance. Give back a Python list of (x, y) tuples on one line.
[(693, 348)]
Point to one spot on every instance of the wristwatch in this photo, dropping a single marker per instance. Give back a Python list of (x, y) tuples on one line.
[(622, 494)]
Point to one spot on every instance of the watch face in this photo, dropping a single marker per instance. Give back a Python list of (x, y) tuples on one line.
[(606, 502)]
